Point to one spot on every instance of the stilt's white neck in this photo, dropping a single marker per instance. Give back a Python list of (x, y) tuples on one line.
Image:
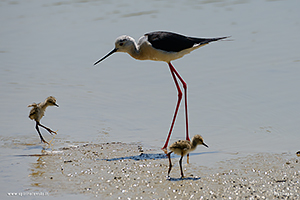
[(134, 51)]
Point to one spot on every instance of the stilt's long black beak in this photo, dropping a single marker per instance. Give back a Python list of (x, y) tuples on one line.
[(205, 144), (56, 105), (113, 51)]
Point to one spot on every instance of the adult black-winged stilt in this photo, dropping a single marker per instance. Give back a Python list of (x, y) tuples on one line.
[(183, 147), (38, 111), (163, 46)]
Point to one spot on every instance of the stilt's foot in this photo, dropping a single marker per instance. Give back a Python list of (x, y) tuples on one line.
[(165, 150), (45, 141), (51, 139), (182, 175), (55, 132), (50, 131)]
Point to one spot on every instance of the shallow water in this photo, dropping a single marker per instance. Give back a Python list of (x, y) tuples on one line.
[(243, 95)]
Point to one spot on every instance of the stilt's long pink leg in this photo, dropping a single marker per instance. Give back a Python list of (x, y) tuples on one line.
[(174, 74), (185, 102), (177, 105)]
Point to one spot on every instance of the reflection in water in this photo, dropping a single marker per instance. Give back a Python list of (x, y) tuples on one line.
[(37, 171)]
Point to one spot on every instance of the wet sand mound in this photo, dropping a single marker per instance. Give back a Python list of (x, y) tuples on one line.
[(122, 171)]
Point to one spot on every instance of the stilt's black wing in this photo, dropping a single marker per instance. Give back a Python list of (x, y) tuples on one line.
[(174, 42)]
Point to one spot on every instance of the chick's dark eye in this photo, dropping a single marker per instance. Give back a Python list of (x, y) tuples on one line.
[(121, 43)]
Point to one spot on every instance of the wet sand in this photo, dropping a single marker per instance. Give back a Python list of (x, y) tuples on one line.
[(127, 171)]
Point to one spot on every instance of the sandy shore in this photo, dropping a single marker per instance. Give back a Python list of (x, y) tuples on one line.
[(126, 171)]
